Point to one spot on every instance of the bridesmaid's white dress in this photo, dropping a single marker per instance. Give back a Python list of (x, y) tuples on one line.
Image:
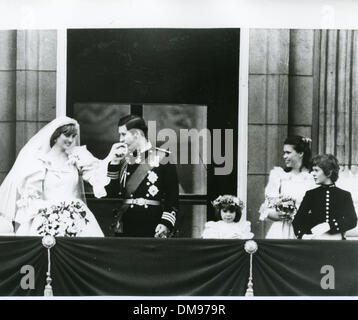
[(290, 184), (223, 230)]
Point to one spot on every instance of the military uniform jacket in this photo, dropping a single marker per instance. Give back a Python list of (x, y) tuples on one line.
[(159, 184), (325, 204)]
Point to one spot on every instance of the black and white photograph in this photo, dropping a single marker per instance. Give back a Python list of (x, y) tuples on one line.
[(177, 159)]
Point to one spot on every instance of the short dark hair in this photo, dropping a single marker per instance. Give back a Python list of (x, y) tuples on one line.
[(329, 165), (67, 130), (301, 144), (228, 203), (134, 122)]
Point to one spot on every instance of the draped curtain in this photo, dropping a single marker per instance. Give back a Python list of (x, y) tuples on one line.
[(179, 267)]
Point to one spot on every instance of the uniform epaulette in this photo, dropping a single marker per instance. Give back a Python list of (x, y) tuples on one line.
[(163, 150)]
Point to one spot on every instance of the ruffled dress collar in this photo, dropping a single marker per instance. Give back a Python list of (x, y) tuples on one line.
[(49, 165), (303, 175)]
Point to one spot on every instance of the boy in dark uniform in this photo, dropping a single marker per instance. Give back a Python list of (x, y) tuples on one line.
[(146, 181), (326, 212)]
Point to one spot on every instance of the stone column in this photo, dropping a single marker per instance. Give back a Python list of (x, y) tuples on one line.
[(337, 92), (27, 89), (7, 100), (35, 82), (268, 114), (301, 82)]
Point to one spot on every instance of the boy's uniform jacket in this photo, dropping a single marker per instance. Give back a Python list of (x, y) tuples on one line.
[(325, 204)]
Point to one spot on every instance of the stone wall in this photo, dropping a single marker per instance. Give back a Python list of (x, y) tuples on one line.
[(281, 97), (27, 88)]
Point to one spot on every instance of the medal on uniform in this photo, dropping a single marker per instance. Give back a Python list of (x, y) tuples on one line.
[(152, 177), (153, 190)]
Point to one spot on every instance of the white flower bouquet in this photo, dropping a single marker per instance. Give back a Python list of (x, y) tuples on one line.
[(66, 219), (285, 205)]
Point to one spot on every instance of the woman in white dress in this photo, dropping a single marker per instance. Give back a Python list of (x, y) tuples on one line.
[(46, 174), (292, 182)]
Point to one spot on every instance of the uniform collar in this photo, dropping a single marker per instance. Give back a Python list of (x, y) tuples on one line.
[(147, 147), (327, 186), (144, 149)]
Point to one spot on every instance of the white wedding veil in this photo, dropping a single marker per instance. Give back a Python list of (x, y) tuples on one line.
[(25, 163)]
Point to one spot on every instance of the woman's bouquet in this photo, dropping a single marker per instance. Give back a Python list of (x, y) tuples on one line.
[(285, 205), (67, 219)]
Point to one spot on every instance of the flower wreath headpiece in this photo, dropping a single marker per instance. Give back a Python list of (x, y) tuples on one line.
[(228, 200), (306, 139)]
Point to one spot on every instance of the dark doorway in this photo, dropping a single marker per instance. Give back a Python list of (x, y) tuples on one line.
[(137, 68)]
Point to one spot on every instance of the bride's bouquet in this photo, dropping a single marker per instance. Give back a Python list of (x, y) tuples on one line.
[(285, 205), (66, 219)]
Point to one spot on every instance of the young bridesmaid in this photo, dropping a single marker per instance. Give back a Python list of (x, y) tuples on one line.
[(229, 225)]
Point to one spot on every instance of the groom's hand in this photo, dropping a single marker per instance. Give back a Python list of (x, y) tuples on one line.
[(118, 151), (161, 231)]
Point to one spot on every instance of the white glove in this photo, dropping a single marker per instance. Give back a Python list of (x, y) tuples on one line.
[(320, 228), (161, 231), (307, 237)]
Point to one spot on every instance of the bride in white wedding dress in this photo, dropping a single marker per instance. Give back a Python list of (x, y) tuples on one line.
[(46, 175)]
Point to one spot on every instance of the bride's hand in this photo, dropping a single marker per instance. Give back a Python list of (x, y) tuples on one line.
[(87, 167)]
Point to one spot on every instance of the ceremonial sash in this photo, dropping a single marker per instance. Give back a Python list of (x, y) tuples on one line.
[(132, 185)]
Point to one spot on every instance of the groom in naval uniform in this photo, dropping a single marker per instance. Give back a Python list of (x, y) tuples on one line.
[(148, 184)]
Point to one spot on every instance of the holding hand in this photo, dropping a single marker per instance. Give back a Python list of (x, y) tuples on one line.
[(308, 237), (276, 215), (117, 153), (321, 228), (161, 231)]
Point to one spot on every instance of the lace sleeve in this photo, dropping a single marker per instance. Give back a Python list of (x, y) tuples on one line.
[(272, 191), (93, 170), (96, 175)]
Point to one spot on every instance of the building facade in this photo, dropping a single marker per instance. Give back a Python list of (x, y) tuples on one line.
[(299, 82)]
